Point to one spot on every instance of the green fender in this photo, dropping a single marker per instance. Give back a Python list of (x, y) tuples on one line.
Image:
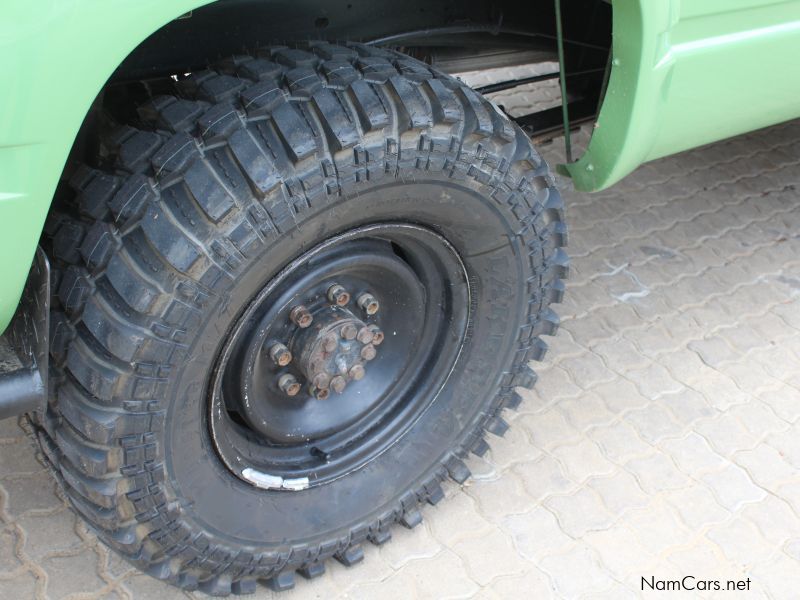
[(689, 72)]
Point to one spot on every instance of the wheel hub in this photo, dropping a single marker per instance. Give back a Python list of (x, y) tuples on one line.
[(338, 355), (335, 350)]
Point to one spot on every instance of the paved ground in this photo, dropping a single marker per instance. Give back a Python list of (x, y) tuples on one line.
[(663, 438)]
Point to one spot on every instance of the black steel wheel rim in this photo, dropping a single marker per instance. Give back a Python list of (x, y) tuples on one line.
[(279, 418)]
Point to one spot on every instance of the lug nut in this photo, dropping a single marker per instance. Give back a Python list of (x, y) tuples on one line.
[(338, 295), (349, 331), (288, 384), (321, 394), (330, 343), (280, 355), (368, 352), (357, 372), (368, 303), (377, 335), (301, 317), (365, 335), (338, 384), (321, 381)]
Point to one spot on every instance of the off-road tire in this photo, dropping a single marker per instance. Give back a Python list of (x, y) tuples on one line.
[(183, 201)]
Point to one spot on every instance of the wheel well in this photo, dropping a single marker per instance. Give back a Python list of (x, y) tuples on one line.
[(227, 27), (453, 35)]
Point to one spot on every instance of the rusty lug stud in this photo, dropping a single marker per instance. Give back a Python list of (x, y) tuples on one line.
[(321, 381), (280, 354), (377, 335), (301, 317), (349, 331), (368, 352), (288, 384), (357, 372), (330, 343), (338, 295), (321, 394), (368, 303), (338, 384), (365, 335)]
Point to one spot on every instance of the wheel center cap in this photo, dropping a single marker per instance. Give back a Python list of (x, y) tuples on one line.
[(335, 350)]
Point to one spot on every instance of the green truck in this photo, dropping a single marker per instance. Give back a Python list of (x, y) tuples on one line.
[(270, 271)]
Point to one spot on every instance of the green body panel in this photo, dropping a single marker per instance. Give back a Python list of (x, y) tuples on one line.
[(685, 73), (690, 72)]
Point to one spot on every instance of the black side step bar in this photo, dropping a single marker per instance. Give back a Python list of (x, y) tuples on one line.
[(549, 123), (23, 374)]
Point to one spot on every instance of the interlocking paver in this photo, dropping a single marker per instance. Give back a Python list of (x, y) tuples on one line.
[(619, 492), (537, 533), (654, 423), (620, 551), (653, 381), (513, 447), (501, 497), (658, 527), (23, 585), (414, 544), (615, 592), (74, 572), (741, 543), (587, 411), (774, 519), (792, 548), (587, 370), (657, 473), (544, 477), (720, 390), (443, 576), (726, 434), (583, 460), (781, 577), (697, 507), (663, 437), (766, 466), (620, 442), (548, 428), (785, 401), (687, 406), (448, 528), (749, 377), (490, 556), (620, 354), (700, 557), (533, 584), (693, 455), (788, 444), (621, 395), (564, 570), (733, 488), (557, 385), (580, 512), (49, 533)]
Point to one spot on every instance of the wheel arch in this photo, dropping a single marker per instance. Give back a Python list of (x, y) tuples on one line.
[(686, 74)]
